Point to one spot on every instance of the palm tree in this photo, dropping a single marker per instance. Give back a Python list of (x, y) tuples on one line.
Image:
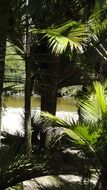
[(4, 12), (71, 35), (91, 134), (16, 167), (19, 36), (62, 37), (7, 24), (28, 144), (98, 25)]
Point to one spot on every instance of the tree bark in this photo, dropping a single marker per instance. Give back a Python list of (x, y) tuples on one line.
[(103, 179), (27, 124), (50, 88), (49, 100), (2, 67), (4, 7), (28, 81)]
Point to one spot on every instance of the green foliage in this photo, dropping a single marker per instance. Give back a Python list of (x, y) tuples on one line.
[(14, 68), (94, 107), (98, 20), (80, 133), (70, 35), (91, 133), (16, 187), (53, 119), (16, 167), (94, 130)]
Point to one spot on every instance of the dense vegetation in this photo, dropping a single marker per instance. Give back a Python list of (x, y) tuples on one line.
[(90, 133), (55, 44), (14, 71)]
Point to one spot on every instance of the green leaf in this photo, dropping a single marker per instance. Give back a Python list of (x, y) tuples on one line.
[(71, 34), (94, 107)]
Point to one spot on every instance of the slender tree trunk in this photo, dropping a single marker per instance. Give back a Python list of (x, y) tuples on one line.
[(49, 100), (103, 179), (3, 35), (2, 67), (50, 89), (27, 124), (28, 132), (51, 105), (49, 95)]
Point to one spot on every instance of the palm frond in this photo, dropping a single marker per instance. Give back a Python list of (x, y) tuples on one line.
[(78, 133), (93, 108), (74, 136), (100, 94), (88, 131), (53, 119), (90, 110), (98, 21), (72, 35)]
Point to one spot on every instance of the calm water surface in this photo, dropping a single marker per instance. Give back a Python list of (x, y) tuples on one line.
[(63, 104)]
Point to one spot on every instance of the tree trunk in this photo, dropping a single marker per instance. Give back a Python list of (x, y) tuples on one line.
[(3, 34), (50, 88), (103, 179), (2, 66), (49, 100), (28, 132), (27, 124)]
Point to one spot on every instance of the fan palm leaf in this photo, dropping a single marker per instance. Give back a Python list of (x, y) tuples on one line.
[(97, 20), (79, 133), (100, 95), (72, 35), (91, 136), (93, 108)]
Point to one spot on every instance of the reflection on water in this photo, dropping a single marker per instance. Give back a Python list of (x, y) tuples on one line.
[(63, 104), (13, 119), (18, 101), (13, 115), (66, 104)]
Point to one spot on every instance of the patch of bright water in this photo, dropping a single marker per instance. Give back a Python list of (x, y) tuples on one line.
[(12, 120)]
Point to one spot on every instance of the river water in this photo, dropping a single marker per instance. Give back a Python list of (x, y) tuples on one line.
[(13, 112), (63, 103)]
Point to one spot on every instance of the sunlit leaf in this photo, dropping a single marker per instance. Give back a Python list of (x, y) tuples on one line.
[(93, 108), (70, 34)]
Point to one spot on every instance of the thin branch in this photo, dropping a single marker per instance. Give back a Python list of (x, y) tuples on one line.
[(99, 52)]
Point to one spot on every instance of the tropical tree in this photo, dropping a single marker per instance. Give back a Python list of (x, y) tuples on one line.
[(16, 166), (62, 36), (4, 23), (19, 36), (14, 71), (98, 26), (55, 40), (90, 134), (27, 122)]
